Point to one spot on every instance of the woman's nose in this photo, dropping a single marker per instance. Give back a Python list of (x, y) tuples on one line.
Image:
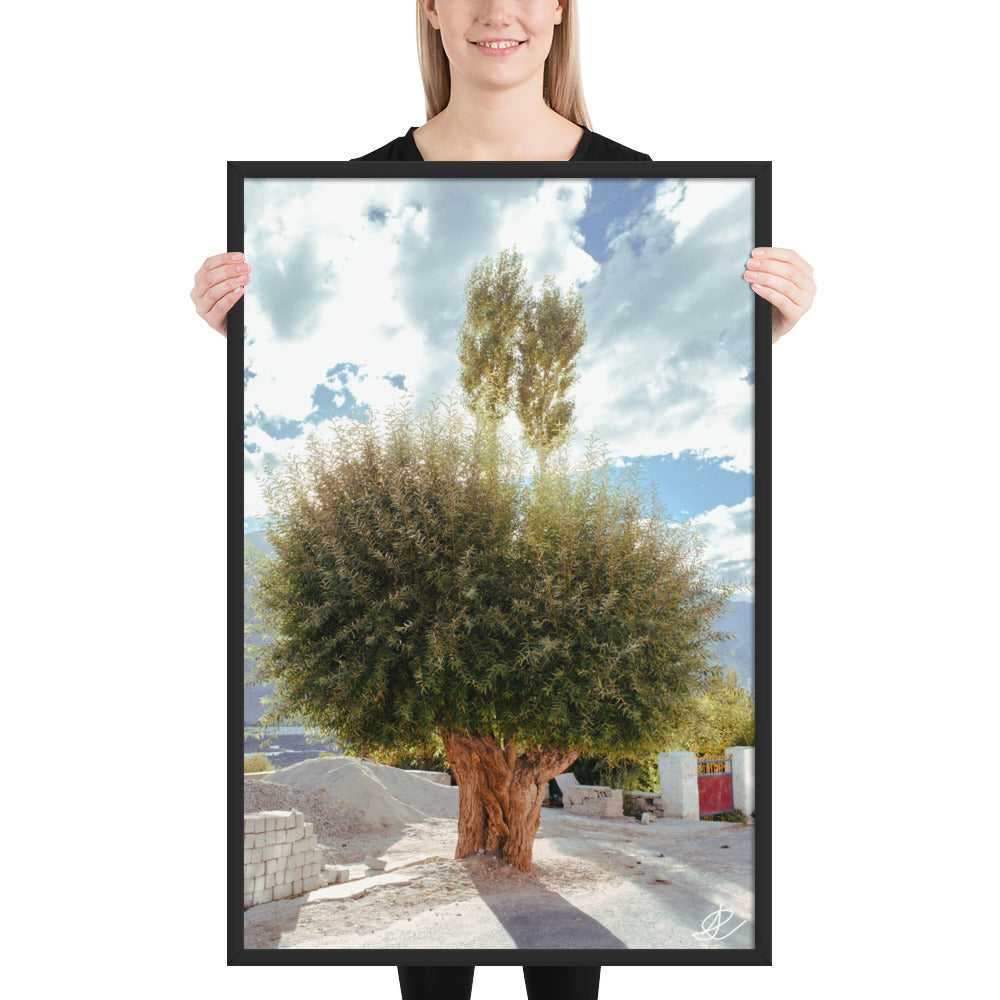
[(495, 12)]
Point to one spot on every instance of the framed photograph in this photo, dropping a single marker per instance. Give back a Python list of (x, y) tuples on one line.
[(499, 603)]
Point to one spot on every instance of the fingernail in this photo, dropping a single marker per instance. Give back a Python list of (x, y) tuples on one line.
[(753, 263), (758, 252), (236, 256)]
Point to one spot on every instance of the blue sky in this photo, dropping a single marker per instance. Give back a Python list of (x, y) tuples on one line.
[(356, 299)]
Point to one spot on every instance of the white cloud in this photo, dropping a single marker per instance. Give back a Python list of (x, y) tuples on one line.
[(670, 329), (729, 540)]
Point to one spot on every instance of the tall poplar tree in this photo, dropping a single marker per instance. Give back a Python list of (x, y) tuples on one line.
[(518, 349), (496, 299), (553, 334)]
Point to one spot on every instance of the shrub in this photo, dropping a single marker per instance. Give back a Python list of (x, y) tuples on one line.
[(630, 807), (733, 816), (254, 763), (631, 774)]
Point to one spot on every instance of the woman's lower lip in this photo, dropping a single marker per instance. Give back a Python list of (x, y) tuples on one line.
[(496, 52)]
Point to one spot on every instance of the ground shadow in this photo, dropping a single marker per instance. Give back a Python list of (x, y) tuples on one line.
[(550, 922)]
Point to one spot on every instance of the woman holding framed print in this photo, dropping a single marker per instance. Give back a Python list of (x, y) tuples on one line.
[(502, 82)]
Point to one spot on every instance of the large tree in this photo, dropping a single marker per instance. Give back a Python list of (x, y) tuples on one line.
[(421, 587)]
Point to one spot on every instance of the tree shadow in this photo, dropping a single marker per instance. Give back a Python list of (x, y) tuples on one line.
[(550, 922)]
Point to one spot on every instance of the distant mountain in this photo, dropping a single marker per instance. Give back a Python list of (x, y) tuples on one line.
[(738, 620), (252, 693)]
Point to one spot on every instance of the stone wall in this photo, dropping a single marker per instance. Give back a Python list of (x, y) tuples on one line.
[(281, 857), (591, 800)]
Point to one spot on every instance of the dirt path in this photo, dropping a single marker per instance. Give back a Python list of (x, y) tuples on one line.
[(594, 883)]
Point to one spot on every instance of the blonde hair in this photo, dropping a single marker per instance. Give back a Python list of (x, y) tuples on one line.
[(562, 89)]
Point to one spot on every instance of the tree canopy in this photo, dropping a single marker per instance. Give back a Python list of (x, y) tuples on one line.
[(420, 581)]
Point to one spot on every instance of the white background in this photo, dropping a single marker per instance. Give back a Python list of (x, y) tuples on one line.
[(119, 120)]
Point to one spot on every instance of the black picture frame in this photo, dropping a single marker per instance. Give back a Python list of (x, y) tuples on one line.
[(759, 172)]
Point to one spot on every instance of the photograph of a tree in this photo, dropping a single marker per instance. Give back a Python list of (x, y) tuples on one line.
[(429, 581)]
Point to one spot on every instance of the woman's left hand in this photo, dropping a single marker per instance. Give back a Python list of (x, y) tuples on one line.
[(785, 280)]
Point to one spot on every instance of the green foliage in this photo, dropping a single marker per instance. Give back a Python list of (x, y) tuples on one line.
[(628, 773), (733, 816), (410, 760), (254, 763), (554, 334), (720, 715), (496, 297), (391, 541), (630, 807), (418, 582), (620, 617)]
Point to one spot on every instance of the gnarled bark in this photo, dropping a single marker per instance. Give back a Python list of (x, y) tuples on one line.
[(500, 793)]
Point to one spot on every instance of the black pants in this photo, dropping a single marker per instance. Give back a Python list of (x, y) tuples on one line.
[(543, 982)]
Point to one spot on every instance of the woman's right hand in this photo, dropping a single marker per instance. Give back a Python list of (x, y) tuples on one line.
[(218, 283)]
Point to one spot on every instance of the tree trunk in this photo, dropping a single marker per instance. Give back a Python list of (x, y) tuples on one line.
[(500, 794)]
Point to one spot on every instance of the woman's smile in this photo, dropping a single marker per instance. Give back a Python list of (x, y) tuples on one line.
[(498, 46)]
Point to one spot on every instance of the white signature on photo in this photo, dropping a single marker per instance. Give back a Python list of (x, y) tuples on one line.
[(714, 923)]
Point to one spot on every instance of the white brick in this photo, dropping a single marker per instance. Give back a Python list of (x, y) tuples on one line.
[(296, 834), (270, 838), (308, 828), (310, 883), (261, 896), (268, 881), (300, 818), (282, 891), (258, 884), (252, 871), (296, 887), (247, 899), (259, 824), (274, 851), (271, 866), (256, 855)]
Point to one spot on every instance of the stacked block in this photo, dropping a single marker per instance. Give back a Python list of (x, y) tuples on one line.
[(281, 857), (592, 800)]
